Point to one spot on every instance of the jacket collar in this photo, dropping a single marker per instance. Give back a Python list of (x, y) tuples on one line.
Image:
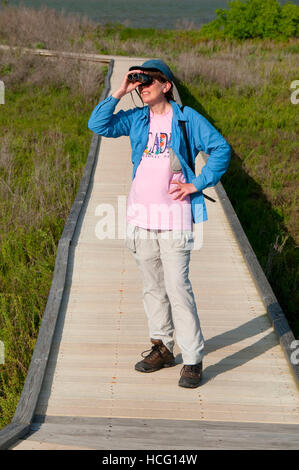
[(177, 113), (145, 113)]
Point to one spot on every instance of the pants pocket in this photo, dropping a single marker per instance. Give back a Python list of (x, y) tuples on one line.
[(188, 241), (130, 241), (183, 240)]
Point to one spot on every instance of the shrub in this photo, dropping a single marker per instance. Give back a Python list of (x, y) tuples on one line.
[(289, 21), (254, 19)]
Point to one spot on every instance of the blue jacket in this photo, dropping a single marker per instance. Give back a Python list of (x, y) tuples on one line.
[(202, 136)]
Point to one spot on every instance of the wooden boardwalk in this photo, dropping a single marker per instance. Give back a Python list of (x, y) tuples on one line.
[(92, 398)]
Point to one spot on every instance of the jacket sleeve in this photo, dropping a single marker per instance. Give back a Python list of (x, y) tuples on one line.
[(103, 122), (206, 138)]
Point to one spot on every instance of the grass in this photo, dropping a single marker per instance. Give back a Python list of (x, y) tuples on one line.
[(44, 143), (262, 179), (243, 88)]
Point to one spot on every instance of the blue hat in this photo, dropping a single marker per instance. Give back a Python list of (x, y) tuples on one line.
[(154, 65)]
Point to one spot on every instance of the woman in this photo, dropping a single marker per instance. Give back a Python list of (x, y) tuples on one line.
[(164, 201)]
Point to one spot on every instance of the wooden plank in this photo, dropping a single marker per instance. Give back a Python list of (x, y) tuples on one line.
[(12, 432), (104, 59), (102, 329), (274, 310), (31, 444), (133, 434)]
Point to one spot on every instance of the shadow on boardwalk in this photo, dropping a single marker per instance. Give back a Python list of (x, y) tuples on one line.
[(249, 329), (273, 245)]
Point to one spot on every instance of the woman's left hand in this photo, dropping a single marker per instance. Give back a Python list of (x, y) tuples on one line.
[(184, 189)]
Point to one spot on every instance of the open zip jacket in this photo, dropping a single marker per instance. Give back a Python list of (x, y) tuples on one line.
[(202, 136)]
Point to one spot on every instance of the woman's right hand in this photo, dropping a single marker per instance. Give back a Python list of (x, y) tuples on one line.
[(126, 86)]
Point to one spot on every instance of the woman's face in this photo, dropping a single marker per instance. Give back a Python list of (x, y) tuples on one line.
[(154, 93)]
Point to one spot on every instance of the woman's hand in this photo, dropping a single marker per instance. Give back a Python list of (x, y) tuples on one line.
[(183, 190), (126, 86)]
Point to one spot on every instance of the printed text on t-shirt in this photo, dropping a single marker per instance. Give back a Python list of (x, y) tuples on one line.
[(157, 145)]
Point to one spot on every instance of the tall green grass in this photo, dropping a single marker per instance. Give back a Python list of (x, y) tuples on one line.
[(44, 143), (262, 180), (242, 87)]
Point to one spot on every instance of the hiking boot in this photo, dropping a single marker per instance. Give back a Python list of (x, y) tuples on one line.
[(191, 376), (158, 358)]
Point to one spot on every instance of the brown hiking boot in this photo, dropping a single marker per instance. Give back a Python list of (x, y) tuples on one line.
[(191, 376), (158, 358)]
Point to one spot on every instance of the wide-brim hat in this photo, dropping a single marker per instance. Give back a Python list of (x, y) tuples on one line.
[(153, 65)]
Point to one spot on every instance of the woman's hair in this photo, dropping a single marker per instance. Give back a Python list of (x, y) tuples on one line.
[(161, 77)]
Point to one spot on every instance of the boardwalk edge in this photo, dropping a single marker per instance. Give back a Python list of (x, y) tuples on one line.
[(274, 310), (20, 424)]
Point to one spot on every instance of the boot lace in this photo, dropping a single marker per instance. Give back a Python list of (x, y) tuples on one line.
[(194, 368), (152, 351)]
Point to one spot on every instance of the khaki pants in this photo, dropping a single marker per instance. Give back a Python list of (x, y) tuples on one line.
[(163, 258)]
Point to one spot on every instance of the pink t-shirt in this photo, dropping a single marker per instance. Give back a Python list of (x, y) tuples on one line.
[(149, 204)]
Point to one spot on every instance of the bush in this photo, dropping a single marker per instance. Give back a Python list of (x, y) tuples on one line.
[(289, 21), (44, 142), (254, 19)]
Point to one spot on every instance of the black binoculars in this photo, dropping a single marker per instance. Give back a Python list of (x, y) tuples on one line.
[(140, 77)]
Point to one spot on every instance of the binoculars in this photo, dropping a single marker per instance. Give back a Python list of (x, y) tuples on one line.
[(140, 77)]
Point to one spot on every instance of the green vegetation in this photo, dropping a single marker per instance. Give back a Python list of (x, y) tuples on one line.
[(262, 181), (254, 19), (44, 143), (241, 86)]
